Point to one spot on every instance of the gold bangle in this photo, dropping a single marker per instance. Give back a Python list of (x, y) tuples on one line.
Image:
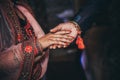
[(76, 26)]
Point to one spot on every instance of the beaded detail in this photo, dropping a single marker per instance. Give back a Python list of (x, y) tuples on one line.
[(29, 49)]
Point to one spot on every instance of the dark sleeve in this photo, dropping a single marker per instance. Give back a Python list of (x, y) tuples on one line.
[(85, 16)]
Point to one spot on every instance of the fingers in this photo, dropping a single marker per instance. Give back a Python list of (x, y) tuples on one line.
[(52, 47), (60, 42), (58, 46), (58, 28), (61, 36), (55, 39), (63, 32), (62, 39)]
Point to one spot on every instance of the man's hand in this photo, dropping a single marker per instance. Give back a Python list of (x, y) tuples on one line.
[(67, 26)]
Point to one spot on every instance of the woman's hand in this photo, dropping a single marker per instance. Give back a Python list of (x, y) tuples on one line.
[(58, 38), (70, 26)]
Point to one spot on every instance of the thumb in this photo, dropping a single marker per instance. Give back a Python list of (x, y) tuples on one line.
[(57, 28)]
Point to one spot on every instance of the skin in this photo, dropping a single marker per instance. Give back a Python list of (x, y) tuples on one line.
[(59, 38), (68, 26), (12, 58)]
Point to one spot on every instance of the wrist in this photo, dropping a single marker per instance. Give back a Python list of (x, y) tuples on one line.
[(76, 26), (38, 44)]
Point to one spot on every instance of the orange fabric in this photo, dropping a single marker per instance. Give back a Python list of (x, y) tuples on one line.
[(80, 43)]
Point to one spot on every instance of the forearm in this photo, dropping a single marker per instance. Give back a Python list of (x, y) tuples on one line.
[(21, 48), (12, 57)]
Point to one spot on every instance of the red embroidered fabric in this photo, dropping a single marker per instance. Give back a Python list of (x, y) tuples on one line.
[(28, 49)]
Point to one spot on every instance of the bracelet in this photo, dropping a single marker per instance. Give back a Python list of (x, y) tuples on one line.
[(76, 26)]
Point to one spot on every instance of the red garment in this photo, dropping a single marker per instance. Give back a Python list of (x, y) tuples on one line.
[(12, 54)]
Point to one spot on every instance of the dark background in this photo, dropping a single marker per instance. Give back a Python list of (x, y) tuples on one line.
[(64, 64)]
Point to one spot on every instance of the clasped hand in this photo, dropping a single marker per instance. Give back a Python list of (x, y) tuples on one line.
[(60, 39), (61, 36)]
